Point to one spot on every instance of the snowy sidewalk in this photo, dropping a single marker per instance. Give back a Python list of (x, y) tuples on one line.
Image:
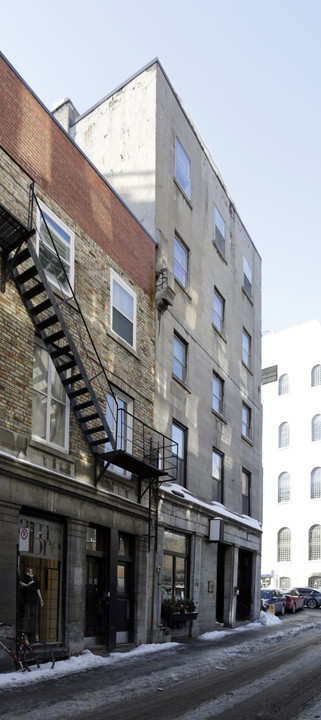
[(88, 660)]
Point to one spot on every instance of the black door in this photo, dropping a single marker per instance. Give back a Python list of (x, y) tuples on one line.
[(243, 604)]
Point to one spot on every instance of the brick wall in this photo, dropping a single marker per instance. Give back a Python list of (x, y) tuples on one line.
[(107, 237), (33, 138)]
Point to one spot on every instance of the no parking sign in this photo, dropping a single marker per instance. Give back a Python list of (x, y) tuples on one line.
[(24, 535)]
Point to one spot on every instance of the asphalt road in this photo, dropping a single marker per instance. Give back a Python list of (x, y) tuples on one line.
[(259, 674)]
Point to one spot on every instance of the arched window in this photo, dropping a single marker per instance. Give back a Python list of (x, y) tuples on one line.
[(314, 581), (285, 583), (315, 542), (284, 435), (316, 483), (284, 545), (316, 428), (316, 376), (284, 487), (284, 384)]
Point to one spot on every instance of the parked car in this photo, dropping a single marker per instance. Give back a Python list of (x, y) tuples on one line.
[(294, 601), (312, 598), (273, 598)]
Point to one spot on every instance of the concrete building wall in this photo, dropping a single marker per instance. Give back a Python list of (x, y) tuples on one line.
[(117, 152), (295, 351)]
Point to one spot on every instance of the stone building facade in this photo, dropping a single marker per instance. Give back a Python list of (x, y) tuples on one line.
[(208, 336), (77, 370)]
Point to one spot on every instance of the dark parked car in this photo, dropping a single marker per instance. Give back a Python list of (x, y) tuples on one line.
[(312, 598), (273, 598), (294, 601)]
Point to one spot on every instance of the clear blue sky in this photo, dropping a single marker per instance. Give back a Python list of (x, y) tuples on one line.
[(248, 72)]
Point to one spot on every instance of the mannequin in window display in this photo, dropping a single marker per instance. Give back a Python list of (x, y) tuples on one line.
[(31, 597)]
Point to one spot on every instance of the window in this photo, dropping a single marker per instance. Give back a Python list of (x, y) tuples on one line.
[(175, 570), (314, 581), (217, 475), (246, 485), (123, 309), (284, 384), (284, 545), (179, 436), (316, 376), (50, 405), (246, 422), (247, 277), (284, 487), (180, 261), (218, 311), (180, 355), (315, 542), (54, 235), (219, 231), (316, 428), (246, 348), (119, 416), (182, 168), (284, 435), (316, 483), (285, 583), (218, 386)]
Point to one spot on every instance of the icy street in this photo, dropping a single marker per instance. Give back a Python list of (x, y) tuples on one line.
[(255, 671)]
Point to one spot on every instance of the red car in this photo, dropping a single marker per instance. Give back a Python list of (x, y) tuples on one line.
[(294, 601)]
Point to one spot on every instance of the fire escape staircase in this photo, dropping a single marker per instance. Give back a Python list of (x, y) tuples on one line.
[(86, 392)]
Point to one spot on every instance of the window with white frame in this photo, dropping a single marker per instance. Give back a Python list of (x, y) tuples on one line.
[(284, 384), (246, 486), (284, 435), (54, 238), (246, 348), (316, 483), (316, 428), (284, 545), (315, 542), (217, 475), (123, 309), (180, 355), (50, 404), (247, 277), (180, 261), (219, 231), (218, 311), (179, 437), (218, 389), (182, 168), (284, 487), (246, 422), (119, 416)]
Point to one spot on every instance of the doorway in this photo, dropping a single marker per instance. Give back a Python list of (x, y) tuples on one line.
[(244, 582), (95, 622)]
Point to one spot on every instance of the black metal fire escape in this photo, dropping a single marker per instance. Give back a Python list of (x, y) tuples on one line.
[(149, 459)]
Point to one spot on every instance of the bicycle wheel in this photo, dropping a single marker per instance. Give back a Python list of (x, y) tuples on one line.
[(38, 653)]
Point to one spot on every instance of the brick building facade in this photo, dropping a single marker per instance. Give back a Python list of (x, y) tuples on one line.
[(87, 517)]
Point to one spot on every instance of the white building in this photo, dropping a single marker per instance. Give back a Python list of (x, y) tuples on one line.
[(291, 553)]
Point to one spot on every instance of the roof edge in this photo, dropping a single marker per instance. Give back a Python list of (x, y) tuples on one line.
[(77, 146)]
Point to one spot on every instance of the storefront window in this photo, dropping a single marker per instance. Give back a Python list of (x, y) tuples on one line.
[(174, 575), (39, 569)]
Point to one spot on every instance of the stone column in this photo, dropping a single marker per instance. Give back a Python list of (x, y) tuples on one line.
[(9, 536), (76, 586)]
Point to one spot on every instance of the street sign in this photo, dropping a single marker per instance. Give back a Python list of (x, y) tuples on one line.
[(24, 535)]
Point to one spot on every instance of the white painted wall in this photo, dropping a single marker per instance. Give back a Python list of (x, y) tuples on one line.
[(295, 351)]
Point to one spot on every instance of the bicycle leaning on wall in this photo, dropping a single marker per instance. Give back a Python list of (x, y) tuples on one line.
[(26, 654)]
